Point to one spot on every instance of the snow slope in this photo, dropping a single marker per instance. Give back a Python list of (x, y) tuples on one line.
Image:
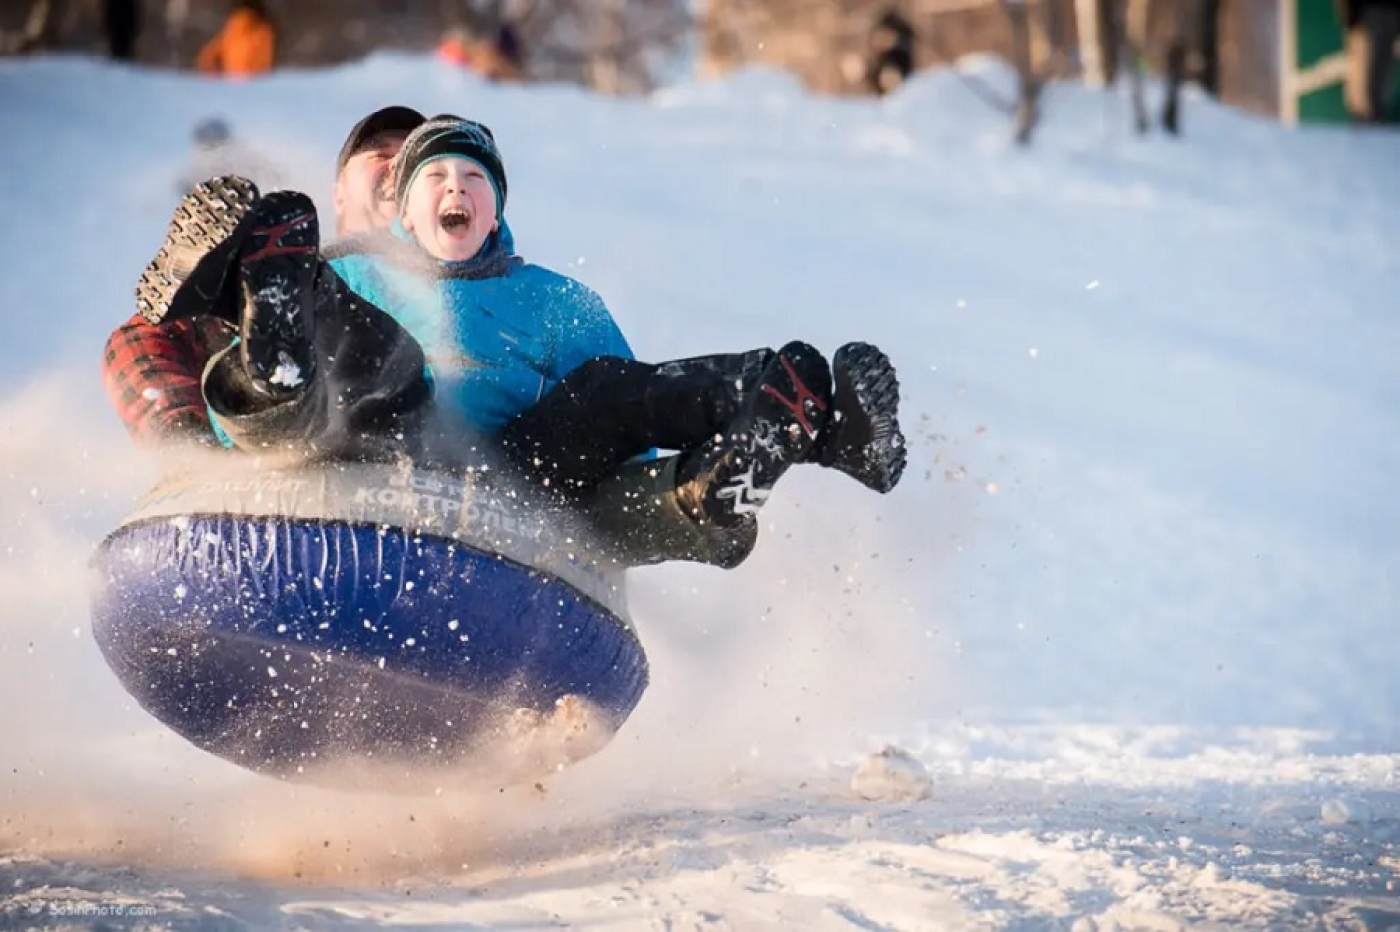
[(1132, 610)]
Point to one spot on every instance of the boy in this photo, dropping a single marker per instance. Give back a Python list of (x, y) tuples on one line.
[(501, 333)]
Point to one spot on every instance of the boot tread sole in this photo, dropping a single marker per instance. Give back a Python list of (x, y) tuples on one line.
[(206, 216), (866, 385)]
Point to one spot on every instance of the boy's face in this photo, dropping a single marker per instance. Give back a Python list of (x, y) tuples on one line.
[(364, 196), (450, 208)]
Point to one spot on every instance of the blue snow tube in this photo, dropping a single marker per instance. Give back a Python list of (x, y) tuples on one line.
[(357, 625)]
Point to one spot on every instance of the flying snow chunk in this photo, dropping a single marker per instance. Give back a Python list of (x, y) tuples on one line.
[(1344, 812), (287, 374), (892, 775)]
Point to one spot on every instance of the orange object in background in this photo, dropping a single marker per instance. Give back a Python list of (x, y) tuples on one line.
[(492, 60), (246, 45), (455, 51)]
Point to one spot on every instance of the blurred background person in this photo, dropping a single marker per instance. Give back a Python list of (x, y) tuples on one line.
[(217, 152), (121, 20), (497, 58), (246, 46), (891, 53), (1373, 26)]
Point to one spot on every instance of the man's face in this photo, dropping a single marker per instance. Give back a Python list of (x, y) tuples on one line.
[(364, 195)]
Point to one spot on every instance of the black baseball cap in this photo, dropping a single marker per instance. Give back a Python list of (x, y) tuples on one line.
[(387, 119)]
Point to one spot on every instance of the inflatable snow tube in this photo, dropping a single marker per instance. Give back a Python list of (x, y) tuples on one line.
[(356, 625)]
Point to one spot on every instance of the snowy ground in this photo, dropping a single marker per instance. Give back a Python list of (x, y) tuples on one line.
[(1133, 609)]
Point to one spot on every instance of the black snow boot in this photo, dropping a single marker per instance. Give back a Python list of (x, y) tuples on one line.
[(862, 436), (727, 480), (191, 274), (278, 266), (368, 402)]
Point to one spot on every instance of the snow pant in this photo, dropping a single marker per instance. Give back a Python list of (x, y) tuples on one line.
[(581, 440), (609, 410), (371, 401)]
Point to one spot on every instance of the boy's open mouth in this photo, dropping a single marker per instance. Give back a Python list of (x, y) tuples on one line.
[(454, 220)]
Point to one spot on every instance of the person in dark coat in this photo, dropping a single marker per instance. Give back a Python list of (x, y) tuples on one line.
[(1373, 28), (122, 20), (891, 51)]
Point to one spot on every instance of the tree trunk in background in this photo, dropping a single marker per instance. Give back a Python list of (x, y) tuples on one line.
[(1183, 25), (1088, 21), (1052, 38), (604, 40), (1027, 98), (1134, 48), (1208, 45), (1111, 37), (41, 28), (175, 21)]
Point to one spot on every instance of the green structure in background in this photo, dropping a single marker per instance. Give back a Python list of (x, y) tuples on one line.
[(1314, 64)]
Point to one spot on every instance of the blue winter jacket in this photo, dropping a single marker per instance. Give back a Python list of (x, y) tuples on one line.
[(497, 332)]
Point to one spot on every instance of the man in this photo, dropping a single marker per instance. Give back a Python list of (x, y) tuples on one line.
[(152, 371), (364, 194)]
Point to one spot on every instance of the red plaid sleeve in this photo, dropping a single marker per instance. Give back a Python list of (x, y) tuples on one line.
[(152, 375)]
